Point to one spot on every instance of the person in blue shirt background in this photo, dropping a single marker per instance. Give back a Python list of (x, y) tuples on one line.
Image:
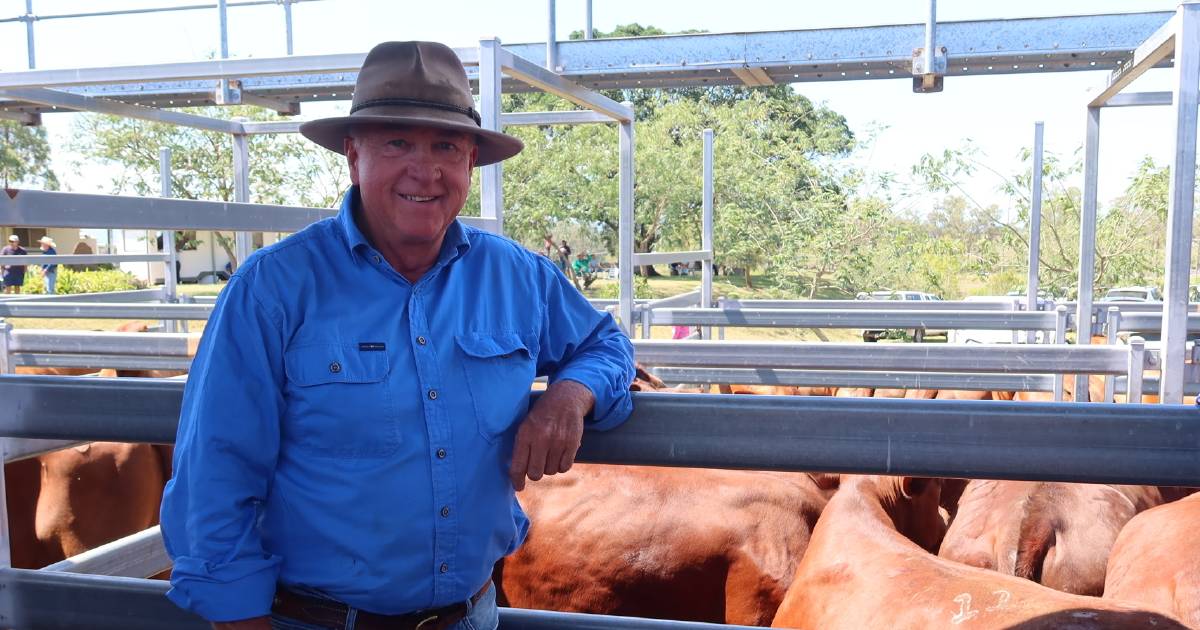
[(357, 416), (49, 272)]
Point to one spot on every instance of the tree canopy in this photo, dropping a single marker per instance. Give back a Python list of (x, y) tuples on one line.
[(25, 157)]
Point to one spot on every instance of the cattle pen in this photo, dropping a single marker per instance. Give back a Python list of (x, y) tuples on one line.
[(1051, 441)]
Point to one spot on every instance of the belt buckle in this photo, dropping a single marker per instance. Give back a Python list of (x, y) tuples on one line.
[(429, 619)]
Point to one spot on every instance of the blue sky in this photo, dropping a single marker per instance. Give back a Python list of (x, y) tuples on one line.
[(996, 113)]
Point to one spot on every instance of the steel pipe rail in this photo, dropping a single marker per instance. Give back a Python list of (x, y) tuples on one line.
[(116, 343), (690, 298), (888, 380), (1091, 443), (100, 310), (100, 361), (1152, 322), (663, 258), (871, 305), (781, 318), (136, 295), (139, 555), (548, 81), (39, 208), (899, 357), (17, 449), (44, 599), (80, 259)]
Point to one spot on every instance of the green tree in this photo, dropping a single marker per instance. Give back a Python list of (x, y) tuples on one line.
[(25, 157), (283, 168)]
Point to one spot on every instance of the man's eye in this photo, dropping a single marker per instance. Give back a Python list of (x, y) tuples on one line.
[(397, 143), (447, 146)]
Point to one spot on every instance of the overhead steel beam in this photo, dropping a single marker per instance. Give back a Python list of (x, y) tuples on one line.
[(1139, 99), (753, 77), (1152, 51), (79, 102), (29, 119), (574, 117), (548, 81)]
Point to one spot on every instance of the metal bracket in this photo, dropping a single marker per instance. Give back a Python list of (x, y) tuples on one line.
[(928, 80)]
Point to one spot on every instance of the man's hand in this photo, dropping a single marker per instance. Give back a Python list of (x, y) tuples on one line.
[(550, 434), (254, 623)]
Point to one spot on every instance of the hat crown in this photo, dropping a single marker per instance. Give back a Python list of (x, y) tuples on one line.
[(395, 72)]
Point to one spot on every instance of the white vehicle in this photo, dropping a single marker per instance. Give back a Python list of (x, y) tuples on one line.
[(1133, 294), (918, 334), (996, 336)]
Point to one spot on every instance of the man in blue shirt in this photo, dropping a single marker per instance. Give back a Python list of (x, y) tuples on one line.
[(49, 271), (357, 416)]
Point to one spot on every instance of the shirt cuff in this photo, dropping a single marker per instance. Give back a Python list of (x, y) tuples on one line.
[(230, 592), (610, 409)]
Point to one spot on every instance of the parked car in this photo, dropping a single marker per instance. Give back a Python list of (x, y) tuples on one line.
[(1133, 294), (1014, 301), (918, 334)]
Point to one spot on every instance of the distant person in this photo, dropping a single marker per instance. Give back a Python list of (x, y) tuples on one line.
[(12, 277), (564, 256), (49, 271), (548, 246)]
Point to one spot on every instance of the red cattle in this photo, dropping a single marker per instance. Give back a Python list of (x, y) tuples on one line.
[(1057, 534), (676, 543), (863, 569), (1156, 560)]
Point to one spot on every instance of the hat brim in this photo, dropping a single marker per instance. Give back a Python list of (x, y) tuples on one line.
[(331, 133)]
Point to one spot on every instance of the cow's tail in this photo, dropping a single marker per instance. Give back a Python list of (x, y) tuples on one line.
[(1037, 532)]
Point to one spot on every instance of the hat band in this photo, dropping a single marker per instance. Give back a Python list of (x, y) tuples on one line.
[(383, 102)]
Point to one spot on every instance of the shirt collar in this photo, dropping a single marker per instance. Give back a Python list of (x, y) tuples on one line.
[(454, 245)]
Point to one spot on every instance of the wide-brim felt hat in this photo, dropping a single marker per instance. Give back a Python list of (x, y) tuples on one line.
[(420, 84)]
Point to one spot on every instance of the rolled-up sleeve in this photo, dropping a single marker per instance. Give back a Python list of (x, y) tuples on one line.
[(226, 448), (581, 344)]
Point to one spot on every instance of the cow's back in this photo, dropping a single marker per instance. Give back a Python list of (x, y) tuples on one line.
[(1156, 560)]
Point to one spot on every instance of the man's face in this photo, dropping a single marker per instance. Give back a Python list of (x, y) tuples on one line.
[(413, 181)]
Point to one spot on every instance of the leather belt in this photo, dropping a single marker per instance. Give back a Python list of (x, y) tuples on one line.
[(333, 614)]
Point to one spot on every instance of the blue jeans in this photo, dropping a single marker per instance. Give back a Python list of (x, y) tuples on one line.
[(481, 615), (48, 280)]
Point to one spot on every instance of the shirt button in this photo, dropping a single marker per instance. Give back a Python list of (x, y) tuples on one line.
[(420, 341), (445, 511), (441, 453), (445, 568), (335, 367), (376, 259), (433, 394)]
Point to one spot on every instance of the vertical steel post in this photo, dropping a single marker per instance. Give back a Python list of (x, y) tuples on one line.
[(287, 23), (625, 253), (1137, 363), (706, 232), (1060, 336), (169, 278), (1114, 327), (1180, 203), (587, 28), (5, 552), (551, 38), (6, 366), (241, 190), (646, 317), (223, 19), (1087, 241), (1035, 226), (491, 177), (29, 46), (930, 35)]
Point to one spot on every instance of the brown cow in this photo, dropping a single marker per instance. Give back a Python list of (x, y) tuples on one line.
[(689, 544), (862, 570), (1057, 534), (1156, 560)]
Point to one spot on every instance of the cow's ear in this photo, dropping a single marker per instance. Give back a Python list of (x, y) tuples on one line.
[(912, 487)]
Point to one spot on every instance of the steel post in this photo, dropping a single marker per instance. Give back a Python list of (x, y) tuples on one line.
[(241, 191), (1060, 337), (169, 277), (587, 27), (1137, 364), (223, 20), (29, 45), (491, 182), (5, 368), (1035, 226), (930, 36), (551, 38), (706, 232), (1114, 326), (1181, 202), (287, 23), (626, 225), (1087, 241)]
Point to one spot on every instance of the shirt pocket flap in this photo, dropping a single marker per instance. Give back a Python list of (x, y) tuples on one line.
[(320, 364), (493, 345)]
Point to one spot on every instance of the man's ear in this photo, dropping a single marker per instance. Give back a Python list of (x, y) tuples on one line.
[(474, 156), (351, 158)]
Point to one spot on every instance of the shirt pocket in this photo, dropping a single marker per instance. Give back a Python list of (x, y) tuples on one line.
[(500, 368), (339, 403)]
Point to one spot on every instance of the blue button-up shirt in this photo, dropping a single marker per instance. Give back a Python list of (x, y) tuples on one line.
[(345, 430)]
